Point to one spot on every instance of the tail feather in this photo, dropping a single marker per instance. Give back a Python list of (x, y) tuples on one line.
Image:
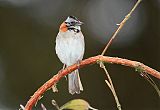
[(75, 85)]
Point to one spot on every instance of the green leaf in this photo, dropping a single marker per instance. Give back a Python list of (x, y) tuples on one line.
[(76, 104)]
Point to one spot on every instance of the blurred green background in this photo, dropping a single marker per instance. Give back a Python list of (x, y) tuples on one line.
[(28, 29)]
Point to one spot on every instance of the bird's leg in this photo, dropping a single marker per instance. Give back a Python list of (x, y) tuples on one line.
[(78, 63), (54, 88), (64, 66)]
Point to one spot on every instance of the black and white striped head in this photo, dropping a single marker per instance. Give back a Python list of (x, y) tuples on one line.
[(73, 23)]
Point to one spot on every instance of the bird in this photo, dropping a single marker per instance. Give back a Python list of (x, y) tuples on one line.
[(70, 47)]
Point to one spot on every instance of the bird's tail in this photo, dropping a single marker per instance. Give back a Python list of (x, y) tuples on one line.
[(75, 85)]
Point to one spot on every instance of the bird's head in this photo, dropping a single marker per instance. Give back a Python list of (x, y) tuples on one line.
[(71, 23)]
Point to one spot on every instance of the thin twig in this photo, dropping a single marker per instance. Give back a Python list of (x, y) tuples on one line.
[(91, 60), (120, 27), (115, 96), (150, 80), (110, 84)]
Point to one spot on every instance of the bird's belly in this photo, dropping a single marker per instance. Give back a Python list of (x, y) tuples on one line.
[(70, 50)]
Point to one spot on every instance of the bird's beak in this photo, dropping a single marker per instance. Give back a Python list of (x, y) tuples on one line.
[(79, 23)]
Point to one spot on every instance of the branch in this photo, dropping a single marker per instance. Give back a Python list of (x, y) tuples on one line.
[(113, 60), (120, 27), (110, 85)]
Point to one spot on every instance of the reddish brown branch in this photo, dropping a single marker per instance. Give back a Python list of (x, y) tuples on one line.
[(134, 64)]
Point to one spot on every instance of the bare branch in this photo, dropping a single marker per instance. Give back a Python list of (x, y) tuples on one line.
[(91, 60), (120, 27), (110, 85)]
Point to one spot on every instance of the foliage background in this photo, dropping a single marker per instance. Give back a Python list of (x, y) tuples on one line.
[(27, 56)]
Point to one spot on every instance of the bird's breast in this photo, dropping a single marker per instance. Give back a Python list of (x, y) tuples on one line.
[(70, 47)]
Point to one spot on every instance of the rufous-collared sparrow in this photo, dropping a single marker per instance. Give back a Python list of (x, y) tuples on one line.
[(70, 48)]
